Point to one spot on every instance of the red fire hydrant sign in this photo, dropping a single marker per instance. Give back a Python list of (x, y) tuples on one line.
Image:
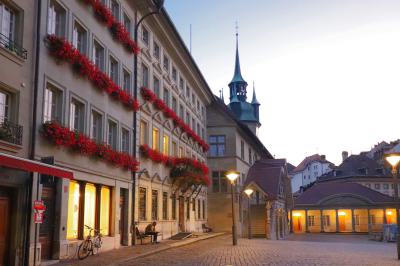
[(39, 208)]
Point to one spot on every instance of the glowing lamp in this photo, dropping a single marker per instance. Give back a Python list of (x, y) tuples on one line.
[(248, 191), (296, 214), (389, 212), (342, 213), (232, 176), (393, 159)]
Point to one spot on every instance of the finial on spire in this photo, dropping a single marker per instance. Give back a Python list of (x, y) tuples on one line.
[(237, 28)]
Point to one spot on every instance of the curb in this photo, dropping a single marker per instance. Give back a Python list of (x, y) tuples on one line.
[(174, 245)]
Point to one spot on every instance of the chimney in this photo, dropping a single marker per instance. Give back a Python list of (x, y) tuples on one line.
[(323, 157), (345, 155)]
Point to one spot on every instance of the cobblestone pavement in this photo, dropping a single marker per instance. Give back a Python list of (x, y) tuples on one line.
[(219, 251)]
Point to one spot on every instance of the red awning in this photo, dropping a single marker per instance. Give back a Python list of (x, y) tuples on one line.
[(33, 166)]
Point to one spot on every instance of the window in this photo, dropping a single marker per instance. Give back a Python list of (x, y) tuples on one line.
[(217, 145), (219, 181), (187, 118), (188, 208), (98, 55), (173, 207), (112, 134), (174, 74), (156, 50), (127, 81), (166, 145), (156, 86), (145, 76), (73, 210), (127, 24), (76, 116), (174, 105), (166, 63), (154, 205), (114, 69), (198, 105), (377, 186), (198, 129), (105, 198), (257, 197), (193, 124), (204, 209), (181, 84), (9, 24), (165, 206), (156, 139), (115, 9), (166, 97), (250, 157), (202, 112), (180, 152), (143, 132), (181, 111), (385, 186), (202, 133), (373, 219), (326, 220), (97, 126), (174, 149), (145, 36), (90, 208), (142, 203), (56, 19), (79, 38), (4, 106), (311, 220), (357, 219), (52, 104), (198, 209), (194, 206), (125, 140)]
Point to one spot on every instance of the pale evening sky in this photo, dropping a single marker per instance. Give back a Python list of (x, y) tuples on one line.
[(327, 73)]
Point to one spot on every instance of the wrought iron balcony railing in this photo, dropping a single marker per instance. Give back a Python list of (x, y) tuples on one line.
[(11, 132), (13, 46)]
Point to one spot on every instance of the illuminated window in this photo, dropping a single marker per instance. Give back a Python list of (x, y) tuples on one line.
[(105, 210), (166, 145), (142, 203), (165, 206), (154, 205), (143, 132), (90, 208), (73, 210), (180, 152), (174, 149), (156, 139), (173, 207)]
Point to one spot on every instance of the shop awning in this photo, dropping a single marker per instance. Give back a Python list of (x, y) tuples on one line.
[(33, 166)]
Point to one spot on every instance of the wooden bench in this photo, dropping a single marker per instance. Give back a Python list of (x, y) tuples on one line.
[(141, 235)]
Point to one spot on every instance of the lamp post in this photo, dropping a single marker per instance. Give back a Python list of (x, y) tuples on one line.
[(232, 176), (158, 4), (393, 158), (248, 192)]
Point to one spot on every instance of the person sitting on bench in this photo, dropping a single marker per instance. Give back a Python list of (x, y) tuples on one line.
[(151, 230)]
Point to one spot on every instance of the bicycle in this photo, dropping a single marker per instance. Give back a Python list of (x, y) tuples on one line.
[(90, 244)]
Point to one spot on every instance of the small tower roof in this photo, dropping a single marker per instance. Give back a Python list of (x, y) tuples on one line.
[(254, 100)]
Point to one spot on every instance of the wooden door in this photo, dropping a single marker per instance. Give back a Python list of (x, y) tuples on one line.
[(46, 231), (122, 203), (4, 229), (181, 214), (297, 227), (342, 223)]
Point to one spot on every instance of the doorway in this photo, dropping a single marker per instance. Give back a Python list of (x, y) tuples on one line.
[(123, 217), (181, 217), (5, 208), (46, 231)]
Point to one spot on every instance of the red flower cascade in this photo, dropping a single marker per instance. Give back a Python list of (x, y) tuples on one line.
[(64, 51), (62, 136), (118, 31), (159, 104)]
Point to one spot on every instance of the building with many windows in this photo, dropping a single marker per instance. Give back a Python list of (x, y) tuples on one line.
[(75, 93), (234, 146)]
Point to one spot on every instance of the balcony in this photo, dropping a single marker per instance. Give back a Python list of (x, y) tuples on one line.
[(13, 47), (11, 132)]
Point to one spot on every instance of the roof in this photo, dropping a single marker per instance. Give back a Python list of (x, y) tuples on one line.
[(290, 167), (308, 160), (356, 165), (266, 174), (245, 111), (220, 104), (315, 194)]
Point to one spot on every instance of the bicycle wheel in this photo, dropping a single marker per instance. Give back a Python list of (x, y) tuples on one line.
[(96, 245), (84, 249)]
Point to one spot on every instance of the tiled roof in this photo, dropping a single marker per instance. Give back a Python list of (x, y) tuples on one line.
[(308, 160), (266, 175), (323, 190)]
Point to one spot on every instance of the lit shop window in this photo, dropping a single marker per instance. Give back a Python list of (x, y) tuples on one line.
[(90, 208), (166, 145), (105, 211), (73, 210)]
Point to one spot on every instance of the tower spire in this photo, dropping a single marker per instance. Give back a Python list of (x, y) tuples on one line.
[(237, 76), (254, 100)]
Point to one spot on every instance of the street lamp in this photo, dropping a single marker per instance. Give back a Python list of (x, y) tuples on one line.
[(248, 192), (232, 176), (158, 4), (393, 158)]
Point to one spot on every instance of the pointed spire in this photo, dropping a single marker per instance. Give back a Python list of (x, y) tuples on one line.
[(254, 100), (222, 95), (237, 76)]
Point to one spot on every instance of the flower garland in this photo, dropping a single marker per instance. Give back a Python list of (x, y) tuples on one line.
[(77, 142), (198, 171), (159, 104), (118, 31), (64, 51)]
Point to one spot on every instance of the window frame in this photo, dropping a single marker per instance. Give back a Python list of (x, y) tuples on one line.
[(59, 104), (218, 145), (111, 59), (109, 119), (154, 204), (128, 143), (102, 64), (101, 139), (82, 120), (85, 45)]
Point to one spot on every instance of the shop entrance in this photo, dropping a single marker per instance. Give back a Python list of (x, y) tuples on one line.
[(5, 226)]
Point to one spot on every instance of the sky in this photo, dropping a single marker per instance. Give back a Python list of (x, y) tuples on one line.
[(326, 72)]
